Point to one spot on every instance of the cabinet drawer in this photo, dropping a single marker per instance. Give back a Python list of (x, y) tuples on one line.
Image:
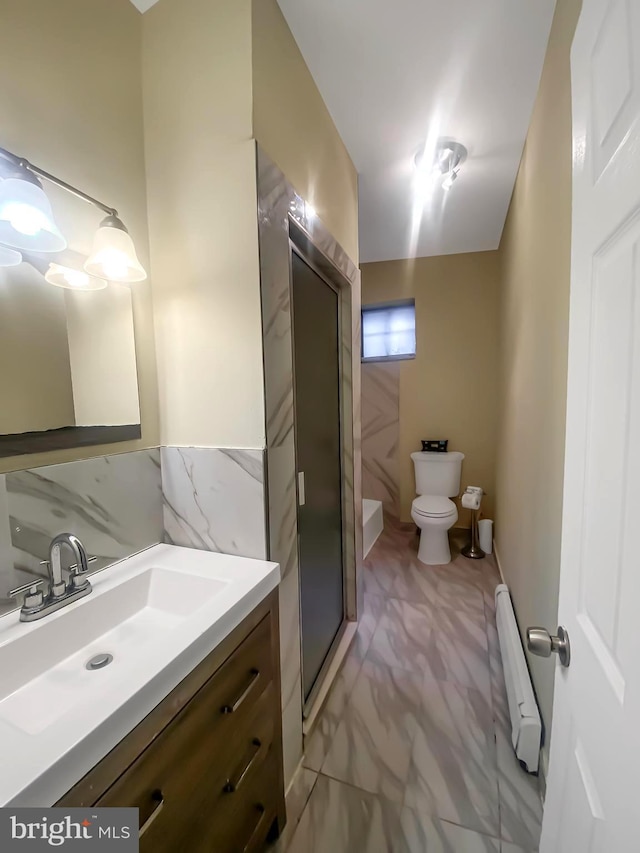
[(187, 797), (241, 821), (210, 724)]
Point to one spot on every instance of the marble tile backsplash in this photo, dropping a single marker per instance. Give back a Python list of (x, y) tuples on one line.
[(207, 498), (113, 503), (213, 499)]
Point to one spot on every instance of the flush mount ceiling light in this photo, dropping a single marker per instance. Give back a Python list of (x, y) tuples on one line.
[(444, 162), (9, 257), (26, 222), (73, 279)]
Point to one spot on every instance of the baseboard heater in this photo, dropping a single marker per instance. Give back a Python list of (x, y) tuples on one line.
[(526, 726)]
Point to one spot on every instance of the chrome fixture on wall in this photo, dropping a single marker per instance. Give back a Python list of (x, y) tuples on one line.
[(27, 224)]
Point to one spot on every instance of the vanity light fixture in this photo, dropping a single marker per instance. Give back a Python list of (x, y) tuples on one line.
[(446, 161), (26, 222), (9, 257), (73, 279), (26, 218), (113, 255)]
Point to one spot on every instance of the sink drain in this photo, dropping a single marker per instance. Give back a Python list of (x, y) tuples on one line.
[(99, 661)]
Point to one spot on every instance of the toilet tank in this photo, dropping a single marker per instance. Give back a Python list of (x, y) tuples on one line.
[(438, 473)]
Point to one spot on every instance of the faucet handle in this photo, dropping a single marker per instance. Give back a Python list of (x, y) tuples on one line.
[(73, 567), (77, 579), (33, 596)]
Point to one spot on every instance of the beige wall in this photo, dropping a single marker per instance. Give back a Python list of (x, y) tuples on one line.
[(535, 258), (450, 389), (202, 221), (71, 101), (293, 126)]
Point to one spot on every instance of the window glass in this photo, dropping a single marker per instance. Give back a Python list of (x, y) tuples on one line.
[(389, 331)]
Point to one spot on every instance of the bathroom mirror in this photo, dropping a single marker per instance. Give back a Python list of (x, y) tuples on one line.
[(68, 373)]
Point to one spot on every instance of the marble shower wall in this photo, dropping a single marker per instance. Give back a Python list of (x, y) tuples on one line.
[(277, 201), (381, 435), (213, 499), (113, 503)]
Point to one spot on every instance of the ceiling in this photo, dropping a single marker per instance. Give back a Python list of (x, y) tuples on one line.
[(394, 74)]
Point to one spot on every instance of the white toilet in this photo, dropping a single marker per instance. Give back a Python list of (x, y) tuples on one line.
[(437, 480)]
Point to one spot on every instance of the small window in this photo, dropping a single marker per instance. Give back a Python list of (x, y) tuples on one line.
[(389, 331)]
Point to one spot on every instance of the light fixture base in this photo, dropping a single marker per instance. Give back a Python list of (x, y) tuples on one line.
[(113, 221), (448, 155)]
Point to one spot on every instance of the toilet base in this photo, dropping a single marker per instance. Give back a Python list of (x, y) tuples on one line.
[(434, 549)]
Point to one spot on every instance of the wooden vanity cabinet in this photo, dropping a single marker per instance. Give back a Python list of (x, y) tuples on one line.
[(204, 768)]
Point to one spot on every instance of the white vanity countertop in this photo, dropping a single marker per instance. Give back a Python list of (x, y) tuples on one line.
[(160, 613)]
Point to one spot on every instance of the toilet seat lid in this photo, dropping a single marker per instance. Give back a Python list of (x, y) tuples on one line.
[(433, 506)]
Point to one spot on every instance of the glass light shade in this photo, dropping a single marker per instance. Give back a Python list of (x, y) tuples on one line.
[(72, 279), (26, 218), (9, 257), (114, 256)]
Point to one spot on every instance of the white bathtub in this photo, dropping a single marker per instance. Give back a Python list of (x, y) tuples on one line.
[(372, 523)]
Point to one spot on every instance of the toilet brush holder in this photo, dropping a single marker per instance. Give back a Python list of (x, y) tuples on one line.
[(473, 549)]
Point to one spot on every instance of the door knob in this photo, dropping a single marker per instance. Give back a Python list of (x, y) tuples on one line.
[(541, 642)]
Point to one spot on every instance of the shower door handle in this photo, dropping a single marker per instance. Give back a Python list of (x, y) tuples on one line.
[(301, 494)]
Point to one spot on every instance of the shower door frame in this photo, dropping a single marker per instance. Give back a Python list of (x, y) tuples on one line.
[(283, 214)]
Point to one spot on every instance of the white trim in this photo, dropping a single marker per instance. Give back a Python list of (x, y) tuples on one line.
[(498, 564)]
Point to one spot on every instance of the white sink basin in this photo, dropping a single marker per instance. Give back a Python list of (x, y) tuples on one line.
[(43, 673), (158, 614)]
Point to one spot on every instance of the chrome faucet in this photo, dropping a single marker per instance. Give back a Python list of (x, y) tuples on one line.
[(36, 604), (77, 578)]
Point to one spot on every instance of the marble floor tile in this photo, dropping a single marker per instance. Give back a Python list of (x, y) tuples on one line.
[(377, 579), (421, 833), (457, 650), (317, 743), (460, 715), (371, 748), (520, 803), (446, 780), (374, 607), (416, 584), (413, 744), (341, 819), (460, 594), (402, 637)]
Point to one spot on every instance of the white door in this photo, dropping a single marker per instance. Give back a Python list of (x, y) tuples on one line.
[(593, 792)]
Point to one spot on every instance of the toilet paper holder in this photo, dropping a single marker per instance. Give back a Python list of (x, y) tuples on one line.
[(473, 549)]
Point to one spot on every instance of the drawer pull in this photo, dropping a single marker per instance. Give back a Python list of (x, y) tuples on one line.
[(256, 830), (158, 799), (231, 709), (230, 786)]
